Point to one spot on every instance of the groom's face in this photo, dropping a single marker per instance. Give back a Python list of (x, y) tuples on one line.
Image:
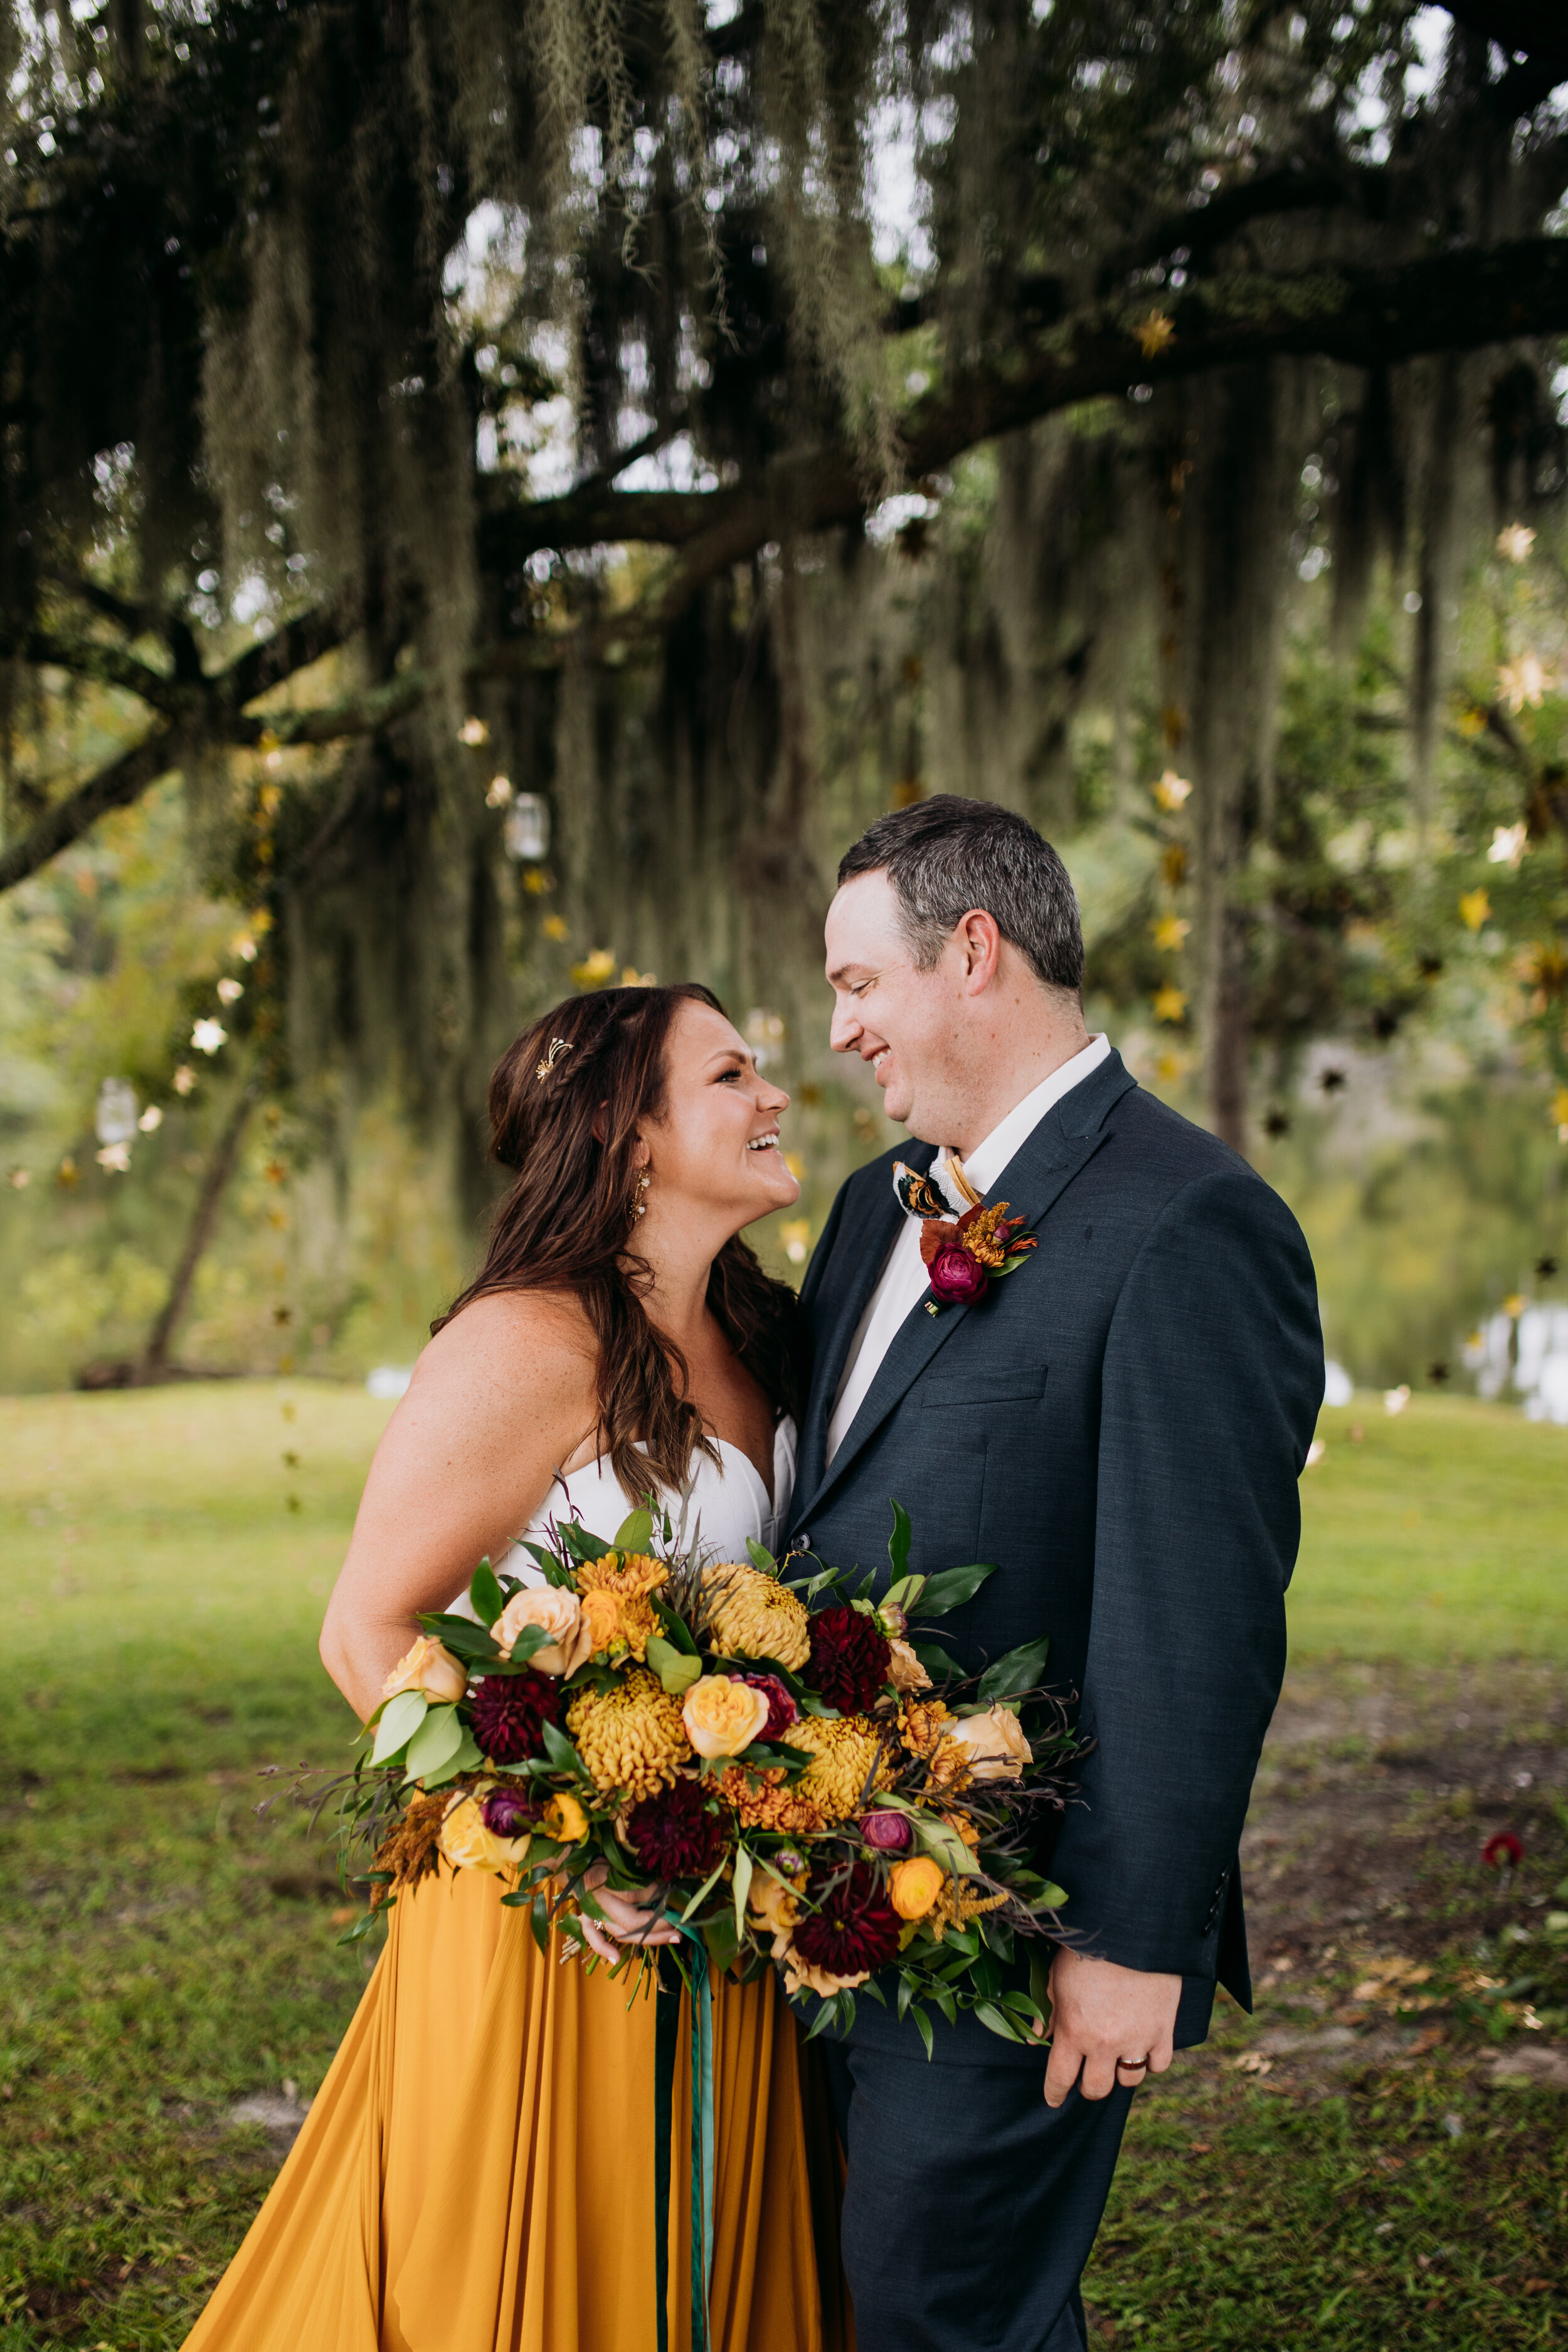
[(907, 1023)]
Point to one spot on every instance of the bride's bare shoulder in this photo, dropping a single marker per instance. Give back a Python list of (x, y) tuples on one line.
[(538, 1342)]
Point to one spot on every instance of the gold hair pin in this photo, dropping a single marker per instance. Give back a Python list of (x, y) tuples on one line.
[(558, 1046)]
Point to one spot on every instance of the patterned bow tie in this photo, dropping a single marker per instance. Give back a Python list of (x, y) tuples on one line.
[(945, 1191)]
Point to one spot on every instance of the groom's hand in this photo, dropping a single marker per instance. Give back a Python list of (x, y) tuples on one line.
[(1108, 2023)]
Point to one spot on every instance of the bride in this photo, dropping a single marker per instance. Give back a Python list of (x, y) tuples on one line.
[(478, 2171)]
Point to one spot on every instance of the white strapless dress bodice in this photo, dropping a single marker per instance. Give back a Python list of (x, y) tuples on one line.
[(726, 1503)]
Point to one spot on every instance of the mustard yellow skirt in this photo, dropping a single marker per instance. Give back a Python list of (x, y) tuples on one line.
[(477, 2171)]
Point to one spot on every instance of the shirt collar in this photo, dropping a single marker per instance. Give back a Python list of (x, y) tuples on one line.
[(984, 1165)]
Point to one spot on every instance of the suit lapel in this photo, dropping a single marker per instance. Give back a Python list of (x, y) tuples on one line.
[(861, 1252), (1066, 1140)]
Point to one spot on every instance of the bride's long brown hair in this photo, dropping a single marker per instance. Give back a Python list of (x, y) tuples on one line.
[(566, 1223)]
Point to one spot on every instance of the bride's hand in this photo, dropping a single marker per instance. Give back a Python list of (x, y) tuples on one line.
[(627, 1920)]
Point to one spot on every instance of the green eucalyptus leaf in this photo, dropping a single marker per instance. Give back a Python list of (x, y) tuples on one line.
[(760, 1556), (581, 1544), (953, 1587), (900, 1540), (400, 1720), (635, 1532), (485, 1594), (997, 2021), (437, 1739), (1020, 1670), (742, 1887), (923, 2023), (677, 1633), (939, 1664), (562, 1753), (677, 1669)]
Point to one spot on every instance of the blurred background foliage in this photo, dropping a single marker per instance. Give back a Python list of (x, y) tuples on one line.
[(493, 500)]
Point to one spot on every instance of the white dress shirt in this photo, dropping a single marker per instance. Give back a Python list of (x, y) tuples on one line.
[(904, 1281)]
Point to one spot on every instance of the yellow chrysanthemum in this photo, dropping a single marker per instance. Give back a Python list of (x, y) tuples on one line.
[(761, 1800), (755, 1616), (627, 1573), (619, 1624), (631, 1736), (844, 1750)]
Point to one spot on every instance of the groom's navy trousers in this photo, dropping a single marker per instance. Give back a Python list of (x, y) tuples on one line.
[(1120, 1425)]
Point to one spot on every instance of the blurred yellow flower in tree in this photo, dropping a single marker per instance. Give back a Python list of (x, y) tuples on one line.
[(1523, 681), (596, 969), (795, 1235), (1559, 1108), (537, 880), (1170, 931), (1474, 908), (1154, 333), (1514, 542), (632, 977), (553, 927), (473, 732), (1514, 1306), (1471, 722), (1171, 1005), (1171, 792), (795, 1165)]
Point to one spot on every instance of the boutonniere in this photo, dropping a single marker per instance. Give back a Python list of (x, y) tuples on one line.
[(964, 1256)]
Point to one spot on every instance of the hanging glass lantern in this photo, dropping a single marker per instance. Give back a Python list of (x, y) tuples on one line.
[(527, 828), (114, 1120)]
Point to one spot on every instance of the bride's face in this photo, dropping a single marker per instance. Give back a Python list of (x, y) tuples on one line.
[(717, 1143)]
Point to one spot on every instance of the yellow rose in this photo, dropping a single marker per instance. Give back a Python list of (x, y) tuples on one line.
[(995, 1744), (429, 1667), (564, 1819), (561, 1614), (914, 1886), (906, 1672), (771, 1906), (468, 1844), (722, 1716)]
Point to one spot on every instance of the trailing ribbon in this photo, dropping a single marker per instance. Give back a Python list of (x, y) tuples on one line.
[(667, 2036)]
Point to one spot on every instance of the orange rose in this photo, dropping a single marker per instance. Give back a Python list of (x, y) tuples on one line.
[(905, 1672), (563, 1818), (722, 1716), (914, 1886), (561, 1614), (995, 1744), (429, 1667)]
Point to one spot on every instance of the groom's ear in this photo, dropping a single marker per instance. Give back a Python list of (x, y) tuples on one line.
[(979, 940)]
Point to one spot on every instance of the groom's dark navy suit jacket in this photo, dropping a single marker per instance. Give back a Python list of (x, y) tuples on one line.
[(1120, 1425)]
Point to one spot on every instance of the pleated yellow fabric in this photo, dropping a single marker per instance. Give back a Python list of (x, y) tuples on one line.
[(477, 2172)]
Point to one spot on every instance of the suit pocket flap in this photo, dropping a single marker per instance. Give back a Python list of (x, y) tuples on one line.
[(1021, 1384)]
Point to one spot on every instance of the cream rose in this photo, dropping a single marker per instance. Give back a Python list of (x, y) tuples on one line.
[(993, 1743), (466, 1842), (429, 1667), (560, 1612), (905, 1670), (722, 1716)]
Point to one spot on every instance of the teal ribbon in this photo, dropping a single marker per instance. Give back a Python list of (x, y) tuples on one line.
[(666, 2034)]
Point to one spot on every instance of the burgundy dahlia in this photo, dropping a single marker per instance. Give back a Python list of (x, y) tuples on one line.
[(850, 1657), (855, 1932), (956, 1277), (510, 1713), (782, 1709), (673, 1835), (509, 1813)]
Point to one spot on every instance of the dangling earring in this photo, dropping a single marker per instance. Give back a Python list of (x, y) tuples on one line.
[(640, 1208)]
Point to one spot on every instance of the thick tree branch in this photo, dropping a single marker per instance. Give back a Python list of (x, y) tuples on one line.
[(123, 781), (106, 665), (1450, 301)]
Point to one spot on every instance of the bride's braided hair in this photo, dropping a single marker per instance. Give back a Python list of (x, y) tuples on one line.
[(565, 1102)]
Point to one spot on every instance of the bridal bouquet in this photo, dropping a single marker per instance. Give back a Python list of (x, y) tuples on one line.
[(791, 1772)]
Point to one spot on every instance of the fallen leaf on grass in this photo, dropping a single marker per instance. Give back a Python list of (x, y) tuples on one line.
[(1249, 2062)]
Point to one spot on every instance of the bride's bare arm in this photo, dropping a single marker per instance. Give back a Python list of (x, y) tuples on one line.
[(499, 1397)]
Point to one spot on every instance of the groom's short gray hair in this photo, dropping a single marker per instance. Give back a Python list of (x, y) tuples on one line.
[(944, 856)]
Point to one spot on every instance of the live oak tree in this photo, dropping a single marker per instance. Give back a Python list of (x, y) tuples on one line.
[(297, 304)]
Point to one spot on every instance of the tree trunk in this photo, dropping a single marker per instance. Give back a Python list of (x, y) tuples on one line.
[(153, 1365)]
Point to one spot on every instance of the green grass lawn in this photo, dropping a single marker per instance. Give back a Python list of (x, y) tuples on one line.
[(164, 1951), (1440, 1533)]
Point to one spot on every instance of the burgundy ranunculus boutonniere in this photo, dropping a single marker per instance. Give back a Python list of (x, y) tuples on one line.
[(964, 1256)]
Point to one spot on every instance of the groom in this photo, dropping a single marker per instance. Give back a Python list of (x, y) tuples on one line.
[(1121, 1425)]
